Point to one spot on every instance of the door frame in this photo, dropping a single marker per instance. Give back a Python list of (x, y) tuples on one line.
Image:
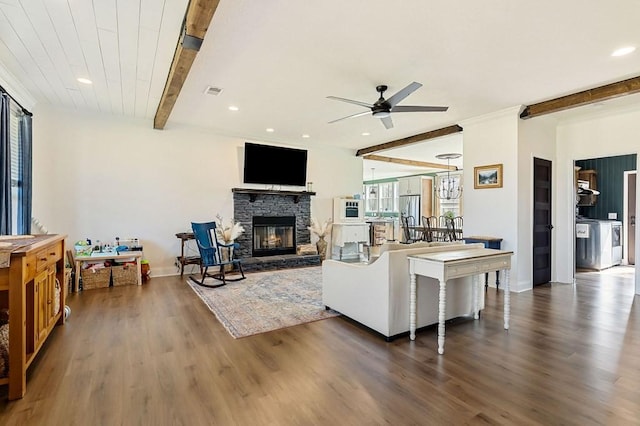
[(625, 211)]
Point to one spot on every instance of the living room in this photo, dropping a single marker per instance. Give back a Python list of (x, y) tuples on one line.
[(101, 170)]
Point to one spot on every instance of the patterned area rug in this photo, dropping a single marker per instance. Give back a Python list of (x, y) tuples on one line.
[(267, 301)]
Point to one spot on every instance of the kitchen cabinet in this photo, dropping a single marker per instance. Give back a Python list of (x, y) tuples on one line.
[(410, 185), (587, 179)]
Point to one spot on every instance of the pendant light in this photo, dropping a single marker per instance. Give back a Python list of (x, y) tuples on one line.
[(448, 188), (372, 190)]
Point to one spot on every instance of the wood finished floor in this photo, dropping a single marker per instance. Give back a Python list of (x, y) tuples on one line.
[(155, 355)]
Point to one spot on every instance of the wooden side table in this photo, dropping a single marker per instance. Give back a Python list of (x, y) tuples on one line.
[(489, 242), (186, 260)]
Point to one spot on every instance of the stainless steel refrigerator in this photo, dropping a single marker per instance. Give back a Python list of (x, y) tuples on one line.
[(410, 206)]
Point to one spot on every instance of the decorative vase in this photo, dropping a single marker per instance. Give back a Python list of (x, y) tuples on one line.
[(227, 254), (322, 248)]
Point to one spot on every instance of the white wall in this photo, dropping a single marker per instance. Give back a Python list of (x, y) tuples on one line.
[(101, 176), (493, 139), (536, 139), (596, 137)]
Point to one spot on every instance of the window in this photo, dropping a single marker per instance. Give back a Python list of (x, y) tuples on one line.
[(453, 205), (388, 195), (381, 198), (16, 153)]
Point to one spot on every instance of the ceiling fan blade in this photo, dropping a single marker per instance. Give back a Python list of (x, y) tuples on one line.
[(404, 93), (351, 116), (387, 122), (419, 108), (364, 104)]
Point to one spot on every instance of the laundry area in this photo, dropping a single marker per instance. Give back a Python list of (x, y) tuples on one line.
[(605, 212)]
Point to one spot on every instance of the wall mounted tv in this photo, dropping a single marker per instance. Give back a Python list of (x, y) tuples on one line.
[(274, 165)]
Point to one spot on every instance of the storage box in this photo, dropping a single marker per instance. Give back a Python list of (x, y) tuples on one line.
[(124, 274), (83, 250), (96, 278)]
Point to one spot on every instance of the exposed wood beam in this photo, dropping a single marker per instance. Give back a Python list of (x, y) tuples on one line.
[(598, 94), (409, 162), (411, 139), (197, 20)]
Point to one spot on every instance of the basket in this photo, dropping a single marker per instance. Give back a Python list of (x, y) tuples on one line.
[(124, 275), (95, 278)]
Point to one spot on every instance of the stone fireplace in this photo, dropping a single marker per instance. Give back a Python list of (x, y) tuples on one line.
[(275, 223)]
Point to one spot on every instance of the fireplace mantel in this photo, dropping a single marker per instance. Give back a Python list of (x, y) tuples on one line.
[(253, 193)]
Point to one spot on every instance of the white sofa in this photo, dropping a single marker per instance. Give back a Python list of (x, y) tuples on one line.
[(377, 294)]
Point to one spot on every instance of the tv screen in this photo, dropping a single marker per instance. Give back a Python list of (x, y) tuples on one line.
[(274, 165)]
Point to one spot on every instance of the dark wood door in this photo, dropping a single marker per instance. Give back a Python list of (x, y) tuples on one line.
[(541, 221), (630, 220)]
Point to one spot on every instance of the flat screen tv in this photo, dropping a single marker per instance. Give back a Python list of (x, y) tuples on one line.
[(274, 165)]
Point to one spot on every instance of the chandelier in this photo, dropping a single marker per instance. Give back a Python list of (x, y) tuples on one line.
[(448, 188)]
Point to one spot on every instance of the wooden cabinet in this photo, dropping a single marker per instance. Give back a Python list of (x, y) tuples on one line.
[(44, 295), (410, 185), (28, 287), (587, 179)]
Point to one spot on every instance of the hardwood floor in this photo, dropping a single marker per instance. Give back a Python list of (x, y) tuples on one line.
[(155, 355)]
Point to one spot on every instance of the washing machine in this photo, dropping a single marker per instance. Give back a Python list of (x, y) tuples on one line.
[(598, 243)]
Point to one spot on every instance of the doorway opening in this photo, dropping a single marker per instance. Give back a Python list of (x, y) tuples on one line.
[(605, 214)]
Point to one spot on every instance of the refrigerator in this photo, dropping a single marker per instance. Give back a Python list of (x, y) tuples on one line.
[(410, 207)]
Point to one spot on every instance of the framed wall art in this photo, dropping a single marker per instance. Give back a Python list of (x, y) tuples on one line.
[(487, 176)]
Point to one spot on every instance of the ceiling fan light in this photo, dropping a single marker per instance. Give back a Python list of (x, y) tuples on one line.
[(381, 114)]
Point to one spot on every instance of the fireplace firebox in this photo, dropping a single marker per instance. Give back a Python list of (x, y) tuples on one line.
[(273, 235)]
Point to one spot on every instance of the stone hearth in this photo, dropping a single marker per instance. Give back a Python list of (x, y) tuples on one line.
[(249, 202)]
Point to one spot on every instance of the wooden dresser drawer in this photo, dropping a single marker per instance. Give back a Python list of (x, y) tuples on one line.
[(48, 256)]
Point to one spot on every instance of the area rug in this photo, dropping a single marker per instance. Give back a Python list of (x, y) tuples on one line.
[(267, 301)]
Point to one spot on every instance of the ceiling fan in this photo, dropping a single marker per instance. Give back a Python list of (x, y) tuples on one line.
[(383, 108)]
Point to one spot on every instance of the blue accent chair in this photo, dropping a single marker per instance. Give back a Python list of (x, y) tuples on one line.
[(214, 254)]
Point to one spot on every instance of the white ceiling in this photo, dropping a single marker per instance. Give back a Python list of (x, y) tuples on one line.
[(278, 60)]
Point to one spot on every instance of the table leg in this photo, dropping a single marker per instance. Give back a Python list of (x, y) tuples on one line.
[(475, 283), (486, 281), (507, 300), (497, 279), (442, 305), (77, 277), (412, 306), (139, 270)]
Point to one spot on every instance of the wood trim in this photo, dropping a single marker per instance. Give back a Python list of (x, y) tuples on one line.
[(197, 20), (421, 137), (409, 162), (586, 97), (253, 193)]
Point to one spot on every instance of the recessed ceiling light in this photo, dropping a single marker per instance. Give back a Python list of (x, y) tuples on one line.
[(305, 136), (233, 108), (623, 51), (270, 130), (84, 80), (366, 134)]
